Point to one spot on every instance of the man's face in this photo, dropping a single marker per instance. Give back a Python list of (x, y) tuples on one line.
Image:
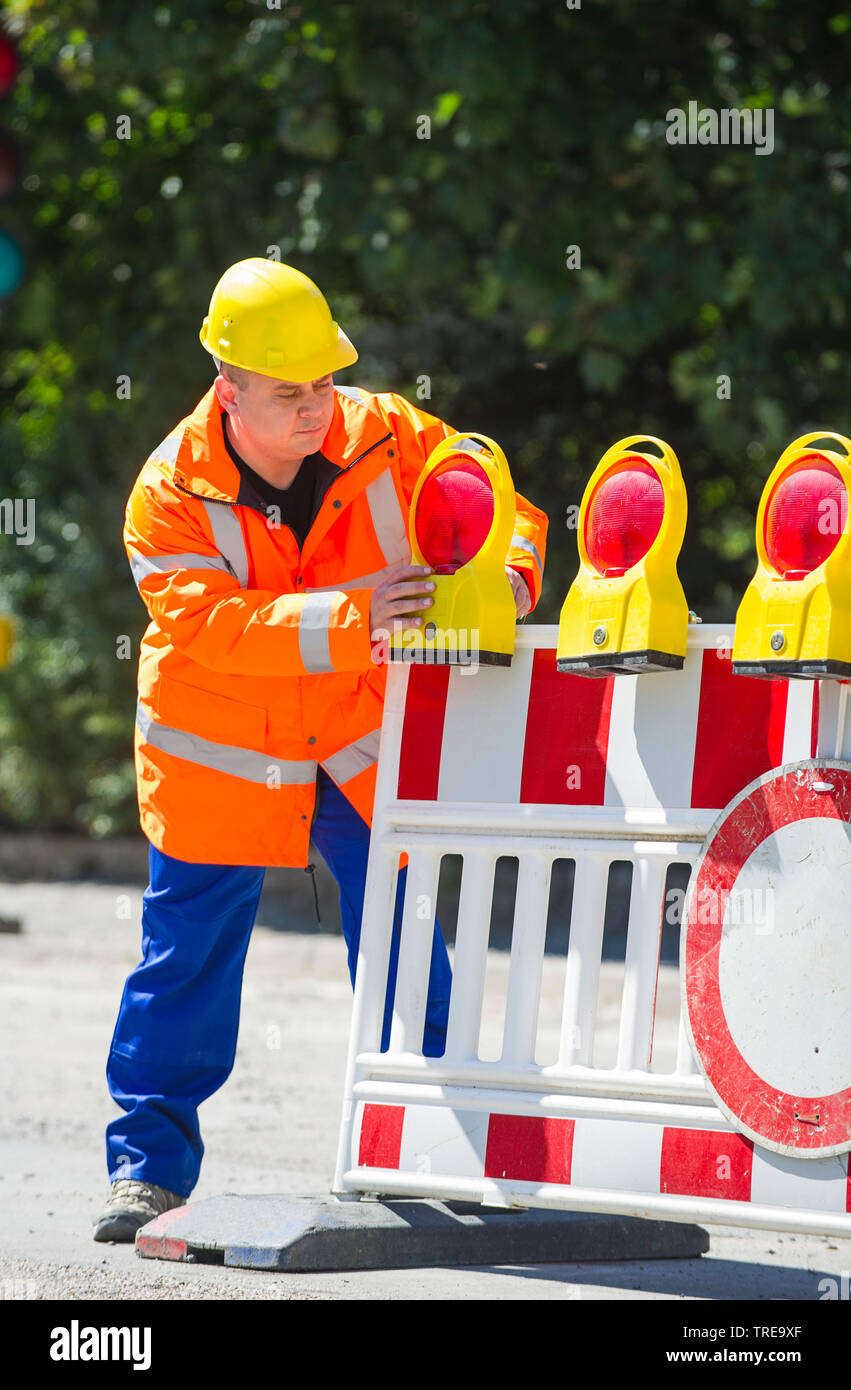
[(282, 421)]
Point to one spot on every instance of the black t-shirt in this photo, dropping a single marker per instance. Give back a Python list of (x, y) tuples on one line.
[(296, 503)]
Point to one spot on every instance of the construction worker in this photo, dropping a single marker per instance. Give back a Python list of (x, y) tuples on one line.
[(267, 534)]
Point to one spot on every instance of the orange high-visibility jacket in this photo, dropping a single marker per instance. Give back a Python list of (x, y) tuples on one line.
[(257, 664)]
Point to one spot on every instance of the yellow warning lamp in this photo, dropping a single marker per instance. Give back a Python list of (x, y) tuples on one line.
[(462, 520), (6, 637), (795, 616), (626, 612)]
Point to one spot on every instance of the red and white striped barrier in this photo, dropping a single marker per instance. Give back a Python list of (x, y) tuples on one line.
[(625, 1165), (671, 750), (540, 766)]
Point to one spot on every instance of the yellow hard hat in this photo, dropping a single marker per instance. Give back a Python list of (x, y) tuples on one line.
[(269, 318)]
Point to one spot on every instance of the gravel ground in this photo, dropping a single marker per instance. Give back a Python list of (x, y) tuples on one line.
[(273, 1128)]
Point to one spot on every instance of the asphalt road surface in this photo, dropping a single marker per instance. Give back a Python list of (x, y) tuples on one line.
[(272, 1128)]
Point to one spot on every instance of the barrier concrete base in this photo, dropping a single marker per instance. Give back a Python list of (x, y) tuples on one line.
[(303, 1234)]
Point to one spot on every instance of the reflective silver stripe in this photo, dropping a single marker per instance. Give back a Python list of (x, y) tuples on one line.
[(472, 444), (354, 758), (363, 581), (168, 450), (229, 539), (353, 392), (522, 544), (387, 518), (222, 757), (143, 565), (313, 631)]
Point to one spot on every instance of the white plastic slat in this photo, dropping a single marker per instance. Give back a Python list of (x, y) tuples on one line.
[(582, 970), (409, 1006), (471, 945), (528, 939), (371, 986), (686, 1061), (641, 966)]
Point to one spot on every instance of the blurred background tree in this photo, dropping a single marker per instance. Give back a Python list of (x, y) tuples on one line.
[(163, 142)]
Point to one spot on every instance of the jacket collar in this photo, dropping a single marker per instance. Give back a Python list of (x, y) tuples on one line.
[(204, 467)]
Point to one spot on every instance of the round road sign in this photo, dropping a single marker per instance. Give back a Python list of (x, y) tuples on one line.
[(766, 959)]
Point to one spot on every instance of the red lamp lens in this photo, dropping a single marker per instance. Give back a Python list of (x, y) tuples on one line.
[(623, 518), (805, 516), (454, 515)]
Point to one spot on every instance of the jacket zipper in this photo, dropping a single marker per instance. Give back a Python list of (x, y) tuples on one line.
[(365, 452)]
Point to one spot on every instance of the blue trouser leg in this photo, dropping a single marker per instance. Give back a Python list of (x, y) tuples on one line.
[(342, 838), (175, 1038)]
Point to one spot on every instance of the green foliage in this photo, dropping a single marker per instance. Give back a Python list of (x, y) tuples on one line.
[(252, 126)]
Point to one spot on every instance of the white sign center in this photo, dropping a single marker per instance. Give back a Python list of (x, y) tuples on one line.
[(785, 959)]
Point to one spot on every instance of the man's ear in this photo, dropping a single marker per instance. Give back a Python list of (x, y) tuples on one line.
[(226, 392)]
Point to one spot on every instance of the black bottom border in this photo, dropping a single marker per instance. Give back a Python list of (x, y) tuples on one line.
[(640, 663)]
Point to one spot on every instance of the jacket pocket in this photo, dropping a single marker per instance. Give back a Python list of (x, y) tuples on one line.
[(209, 715)]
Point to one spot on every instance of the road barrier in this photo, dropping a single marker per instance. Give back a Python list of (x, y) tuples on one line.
[(541, 766), (625, 736)]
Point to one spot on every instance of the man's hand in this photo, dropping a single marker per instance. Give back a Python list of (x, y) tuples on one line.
[(399, 597), (522, 597)]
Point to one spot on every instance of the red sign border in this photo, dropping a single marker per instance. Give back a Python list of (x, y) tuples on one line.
[(771, 801)]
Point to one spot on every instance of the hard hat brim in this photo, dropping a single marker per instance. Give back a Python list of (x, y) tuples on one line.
[(342, 354)]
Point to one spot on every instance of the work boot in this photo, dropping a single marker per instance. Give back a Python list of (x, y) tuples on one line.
[(132, 1204)]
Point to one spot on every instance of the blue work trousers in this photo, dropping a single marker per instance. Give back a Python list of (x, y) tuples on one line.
[(175, 1039)]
